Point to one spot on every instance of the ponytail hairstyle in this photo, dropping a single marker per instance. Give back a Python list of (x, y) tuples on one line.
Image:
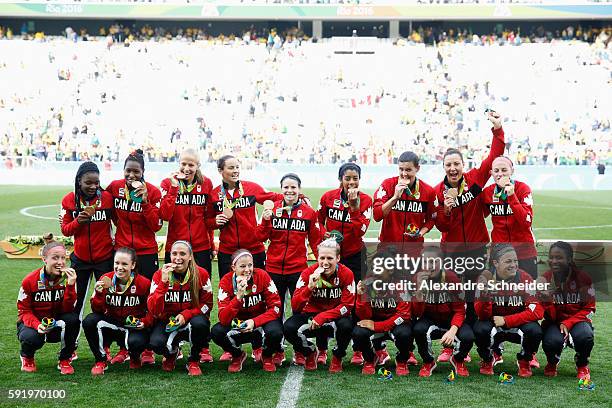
[(194, 281), (84, 168), (138, 157), (132, 253), (49, 246), (199, 178)]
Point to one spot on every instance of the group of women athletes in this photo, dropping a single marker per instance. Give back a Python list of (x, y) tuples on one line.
[(150, 310)]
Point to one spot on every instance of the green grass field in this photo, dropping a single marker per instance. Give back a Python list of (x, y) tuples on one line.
[(558, 215)]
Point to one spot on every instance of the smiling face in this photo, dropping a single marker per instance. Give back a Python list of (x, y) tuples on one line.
[(558, 260), (506, 266), (132, 172), (350, 179), (188, 165), (453, 167), (123, 266), (328, 260), (180, 255), (55, 261), (230, 171), (290, 190), (501, 169), (408, 171), (89, 184), (244, 266)]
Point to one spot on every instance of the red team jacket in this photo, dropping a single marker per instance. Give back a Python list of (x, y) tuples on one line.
[(386, 312), (38, 299), (512, 218), (93, 242), (517, 308), (573, 301), (466, 223), (333, 215), (408, 210), (262, 303), (118, 306), (287, 252), (327, 303), (190, 215), (137, 223), (443, 308), (165, 301), (240, 231)]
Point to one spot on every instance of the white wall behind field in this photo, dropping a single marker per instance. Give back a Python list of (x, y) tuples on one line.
[(315, 176)]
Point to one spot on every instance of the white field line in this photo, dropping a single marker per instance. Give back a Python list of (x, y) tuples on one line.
[(290, 391)]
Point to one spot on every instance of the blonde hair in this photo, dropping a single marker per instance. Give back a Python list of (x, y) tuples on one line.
[(330, 243), (199, 177)]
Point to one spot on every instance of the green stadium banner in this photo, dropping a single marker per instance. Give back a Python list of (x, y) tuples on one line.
[(307, 12)]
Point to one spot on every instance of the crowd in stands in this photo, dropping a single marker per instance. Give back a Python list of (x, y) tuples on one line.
[(279, 97)]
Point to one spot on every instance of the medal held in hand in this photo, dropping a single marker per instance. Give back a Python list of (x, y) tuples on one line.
[(131, 322), (48, 323), (238, 324), (131, 194), (173, 324)]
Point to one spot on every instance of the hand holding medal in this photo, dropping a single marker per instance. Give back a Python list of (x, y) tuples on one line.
[(132, 322), (70, 275), (167, 269), (268, 207), (494, 118), (175, 176), (46, 325), (104, 283), (175, 323), (313, 280), (401, 186), (449, 199), (353, 198), (139, 192), (241, 286)]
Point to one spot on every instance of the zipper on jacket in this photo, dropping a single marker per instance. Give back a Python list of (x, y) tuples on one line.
[(285, 256), (89, 242)]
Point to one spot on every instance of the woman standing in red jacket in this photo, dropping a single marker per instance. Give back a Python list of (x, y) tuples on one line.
[(86, 214), (249, 312), (235, 215), (180, 301), (119, 294), (288, 224), (569, 309), (509, 202), (187, 206), (136, 205)]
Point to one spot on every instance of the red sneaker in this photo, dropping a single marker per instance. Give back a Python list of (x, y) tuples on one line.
[(401, 368), (279, 358), (135, 363), (486, 367), (459, 367), (412, 359), (65, 367), (121, 357), (427, 369), (369, 367), (147, 357), (336, 365), (497, 359), (299, 359), (383, 356), (226, 356), (550, 370), (193, 368), (524, 369), (357, 358), (534, 363), (99, 368), (322, 359), (168, 363), (583, 373), (445, 355), (310, 363), (236, 364), (256, 354), (268, 364), (205, 356), (108, 354), (28, 364)]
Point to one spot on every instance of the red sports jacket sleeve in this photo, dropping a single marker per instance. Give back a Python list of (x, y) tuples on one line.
[(347, 300), (321, 211), (315, 234), (431, 211), (262, 195), (458, 309), (498, 145), (360, 220), (263, 230), (155, 302), (484, 309), (68, 224), (381, 196), (401, 315), (532, 313), (521, 207), (228, 307), (302, 293), (150, 210), (168, 201), (70, 298), (581, 316), (273, 303), (205, 298), (98, 301), (442, 221), (363, 310), (24, 305)]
